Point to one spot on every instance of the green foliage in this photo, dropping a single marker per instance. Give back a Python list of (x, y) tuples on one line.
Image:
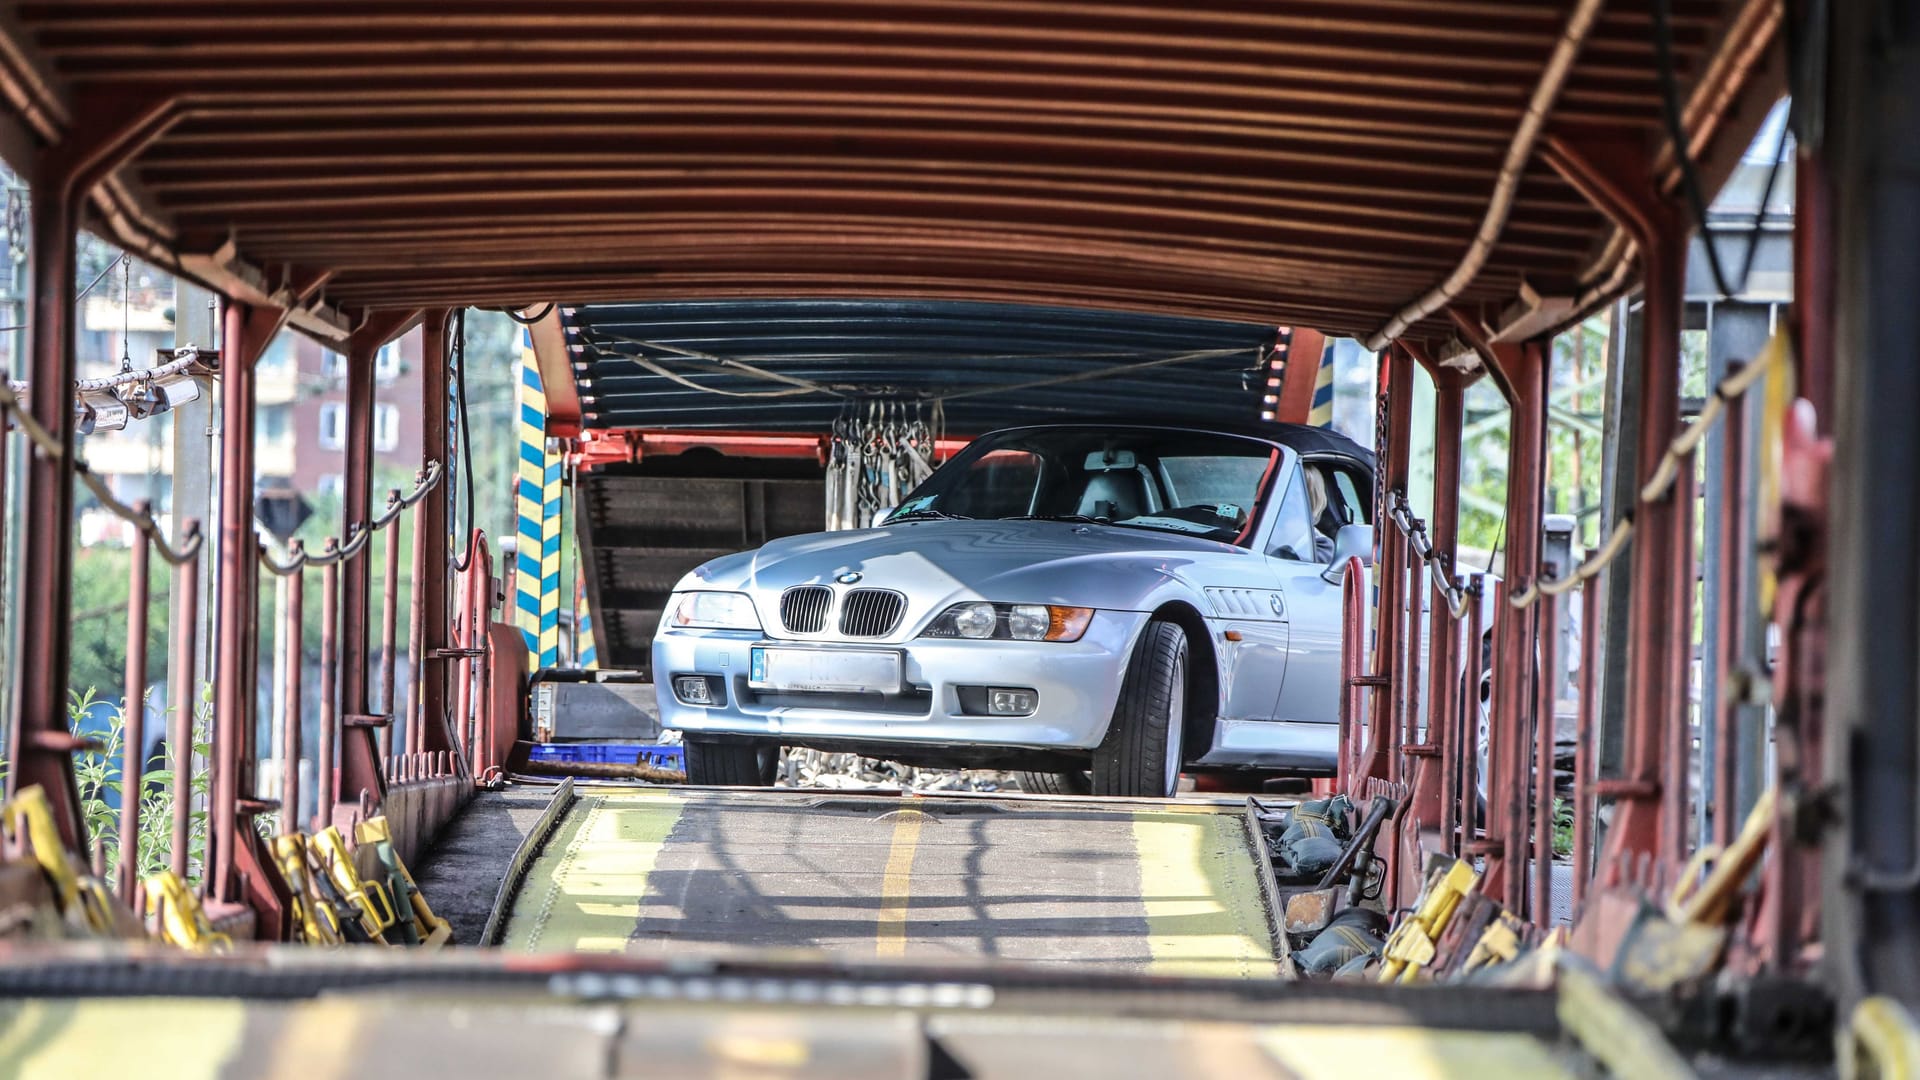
[(97, 773)]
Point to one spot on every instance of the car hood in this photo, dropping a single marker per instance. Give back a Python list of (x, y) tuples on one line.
[(934, 562)]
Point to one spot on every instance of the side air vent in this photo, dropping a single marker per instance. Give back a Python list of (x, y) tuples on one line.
[(804, 610), (871, 612)]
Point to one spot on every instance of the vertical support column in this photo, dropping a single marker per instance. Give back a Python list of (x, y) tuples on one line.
[(1523, 369), (362, 778), (430, 518), (1615, 175), (1396, 415), (133, 719), (233, 677), (39, 743), (1653, 685), (185, 666), (242, 870), (1434, 801)]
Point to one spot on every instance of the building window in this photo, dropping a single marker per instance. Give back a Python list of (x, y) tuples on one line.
[(386, 364), (332, 483), (273, 422), (333, 366), (333, 425), (386, 428)]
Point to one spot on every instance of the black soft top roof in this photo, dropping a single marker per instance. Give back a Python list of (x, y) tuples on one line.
[(1301, 438)]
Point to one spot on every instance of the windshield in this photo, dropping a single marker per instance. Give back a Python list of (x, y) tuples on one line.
[(1192, 483)]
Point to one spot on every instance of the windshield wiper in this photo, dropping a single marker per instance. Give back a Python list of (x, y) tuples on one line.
[(927, 514), (1080, 519)]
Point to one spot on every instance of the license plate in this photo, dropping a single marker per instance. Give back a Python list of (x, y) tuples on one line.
[(823, 670)]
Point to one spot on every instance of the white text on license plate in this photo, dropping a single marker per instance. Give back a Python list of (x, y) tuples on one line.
[(825, 670)]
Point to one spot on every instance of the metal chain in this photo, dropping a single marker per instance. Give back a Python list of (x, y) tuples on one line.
[(144, 523), (359, 533), (1679, 452)]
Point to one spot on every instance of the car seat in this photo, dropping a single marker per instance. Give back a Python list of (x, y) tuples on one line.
[(1115, 495)]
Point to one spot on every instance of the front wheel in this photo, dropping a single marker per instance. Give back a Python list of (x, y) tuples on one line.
[(1055, 783), (1141, 754), (731, 764)]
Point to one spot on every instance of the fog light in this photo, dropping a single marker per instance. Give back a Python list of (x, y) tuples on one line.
[(1002, 702), (693, 689)]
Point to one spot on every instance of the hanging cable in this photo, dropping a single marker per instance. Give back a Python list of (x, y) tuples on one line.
[(527, 320), (1676, 133), (126, 314), (457, 360)]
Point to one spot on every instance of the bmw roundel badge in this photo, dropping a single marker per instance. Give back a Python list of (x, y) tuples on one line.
[(849, 578)]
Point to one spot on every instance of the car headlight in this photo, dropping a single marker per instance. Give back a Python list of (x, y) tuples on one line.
[(715, 611), (980, 621)]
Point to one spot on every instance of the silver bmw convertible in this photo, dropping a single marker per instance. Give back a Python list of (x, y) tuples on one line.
[(1100, 608)]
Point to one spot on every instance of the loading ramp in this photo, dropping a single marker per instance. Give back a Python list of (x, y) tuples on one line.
[(1154, 886)]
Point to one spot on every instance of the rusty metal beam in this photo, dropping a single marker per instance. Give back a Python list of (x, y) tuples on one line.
[(361, 773), (1613, 170), (40, 743)]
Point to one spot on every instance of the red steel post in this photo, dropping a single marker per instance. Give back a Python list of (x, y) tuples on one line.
[(186, 704), (1396, 380), (40, 743), (233, 677), (1434, 801), (389, 626), (1353, 632), (1471, 670), (416, 631), (133, 716), (292, 601), (434, 543), (1616, 176), (237, 852), (325, 778), (362, 778), (1583, 807), (1543, 753)]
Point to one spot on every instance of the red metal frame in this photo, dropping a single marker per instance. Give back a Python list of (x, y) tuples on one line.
[(1304, 348), (242, 869), (1612, 171)]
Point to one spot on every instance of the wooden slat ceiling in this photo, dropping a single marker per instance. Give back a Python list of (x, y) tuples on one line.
[(1299, 161)]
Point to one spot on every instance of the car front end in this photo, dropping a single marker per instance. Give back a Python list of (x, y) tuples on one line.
[(957, 675)]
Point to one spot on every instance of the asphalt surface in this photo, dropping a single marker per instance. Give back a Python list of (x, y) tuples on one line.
[(462, 872)]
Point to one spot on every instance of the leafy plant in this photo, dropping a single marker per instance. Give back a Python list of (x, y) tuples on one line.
[(98, 775)]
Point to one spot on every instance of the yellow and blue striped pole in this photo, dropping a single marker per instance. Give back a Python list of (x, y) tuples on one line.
[(1321, 414), (537, 605)]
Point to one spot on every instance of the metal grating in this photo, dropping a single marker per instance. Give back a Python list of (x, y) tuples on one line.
[(871, 612), (804, 610)]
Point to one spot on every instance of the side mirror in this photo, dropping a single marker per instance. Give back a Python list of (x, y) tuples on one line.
[(880, 516), (1351, 542)]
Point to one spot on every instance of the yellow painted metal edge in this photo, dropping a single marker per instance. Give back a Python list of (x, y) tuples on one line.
[(1882, 1042), (1611, 1031)]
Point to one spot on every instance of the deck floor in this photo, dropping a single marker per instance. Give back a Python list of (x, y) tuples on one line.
[(1145, 886)]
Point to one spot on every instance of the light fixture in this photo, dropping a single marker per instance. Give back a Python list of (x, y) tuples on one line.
[(99, 410)]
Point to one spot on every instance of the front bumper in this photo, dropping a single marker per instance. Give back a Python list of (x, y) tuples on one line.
[(1078, 684)]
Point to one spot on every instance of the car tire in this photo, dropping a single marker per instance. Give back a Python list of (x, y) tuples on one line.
[(1142, 752), (1078, 782), (731, 764)]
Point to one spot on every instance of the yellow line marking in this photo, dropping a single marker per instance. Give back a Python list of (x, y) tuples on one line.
[(890, 935), (1203, 906), (583, 892)]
